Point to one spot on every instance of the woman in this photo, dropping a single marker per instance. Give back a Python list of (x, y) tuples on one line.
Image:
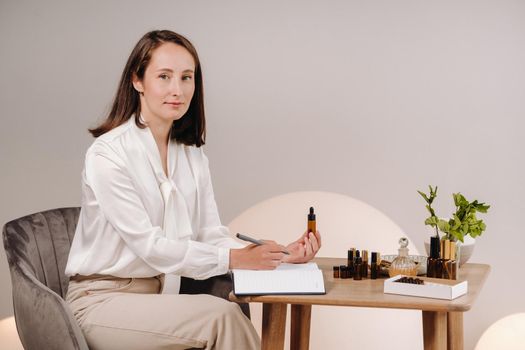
[(149, 216)]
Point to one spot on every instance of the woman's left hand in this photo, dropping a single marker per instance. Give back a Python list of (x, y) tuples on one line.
[(303, 249)]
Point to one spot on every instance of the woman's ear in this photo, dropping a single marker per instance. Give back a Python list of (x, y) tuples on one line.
[(137, 84)]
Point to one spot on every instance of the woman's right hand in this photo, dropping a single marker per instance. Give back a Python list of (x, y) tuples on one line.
[(257, 257)]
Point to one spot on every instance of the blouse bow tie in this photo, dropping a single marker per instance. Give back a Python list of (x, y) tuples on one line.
[(176, 221), (176, 226)]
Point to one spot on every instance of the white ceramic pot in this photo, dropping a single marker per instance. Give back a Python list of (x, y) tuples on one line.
[(465, 249)]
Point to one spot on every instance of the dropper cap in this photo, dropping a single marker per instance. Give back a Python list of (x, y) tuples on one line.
[(311, 216), (434, 247)]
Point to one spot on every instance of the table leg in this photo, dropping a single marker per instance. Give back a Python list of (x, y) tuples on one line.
[(435, 330), (455, 330), (300, 327), (273, 326)]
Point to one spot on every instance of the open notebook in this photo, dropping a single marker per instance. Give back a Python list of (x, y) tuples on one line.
[(285, 279)]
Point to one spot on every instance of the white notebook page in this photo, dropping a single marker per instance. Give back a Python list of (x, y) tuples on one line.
[(286, 279)]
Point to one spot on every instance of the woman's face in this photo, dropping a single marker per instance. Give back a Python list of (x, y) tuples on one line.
[(168, 84)]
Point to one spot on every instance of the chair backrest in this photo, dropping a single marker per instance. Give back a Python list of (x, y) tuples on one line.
[(37, 248), (344, 222), (39, 244)]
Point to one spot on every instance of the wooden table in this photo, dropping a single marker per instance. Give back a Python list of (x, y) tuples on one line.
[(442, 319)]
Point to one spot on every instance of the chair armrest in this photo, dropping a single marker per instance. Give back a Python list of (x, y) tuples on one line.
[(43, 318)]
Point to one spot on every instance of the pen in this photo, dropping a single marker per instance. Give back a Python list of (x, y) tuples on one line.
[(254, 241)]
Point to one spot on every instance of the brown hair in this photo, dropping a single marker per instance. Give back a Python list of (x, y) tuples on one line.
[(191, 128)]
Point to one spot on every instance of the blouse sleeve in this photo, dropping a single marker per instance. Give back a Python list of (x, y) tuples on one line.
[(122, 207), (211, 230)]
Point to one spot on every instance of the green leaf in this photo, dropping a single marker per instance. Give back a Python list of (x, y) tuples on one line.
[(443, 226), (424, 196), (459, 200), (432, 221), (432, 212), (456, 222), (458, 236), (456, 199), (482, 208)]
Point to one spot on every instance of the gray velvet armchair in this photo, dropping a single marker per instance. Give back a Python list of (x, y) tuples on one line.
[(37, 248)]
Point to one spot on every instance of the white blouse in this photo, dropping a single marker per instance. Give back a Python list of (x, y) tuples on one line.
[(122, 228)]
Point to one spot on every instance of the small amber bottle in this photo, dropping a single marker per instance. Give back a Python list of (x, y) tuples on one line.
[(311, 221), (454, 263), (343, 271), (374, 267), (439, 271), (433, 259), (336, 271), (364, 266), (446, 258), (357, 255), (358, 268), (350, 262), (451, 266)]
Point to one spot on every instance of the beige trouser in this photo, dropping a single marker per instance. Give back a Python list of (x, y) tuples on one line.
[(129, 313)]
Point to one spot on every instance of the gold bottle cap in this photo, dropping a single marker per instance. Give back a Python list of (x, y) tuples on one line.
[(447, 250), (453, 250)]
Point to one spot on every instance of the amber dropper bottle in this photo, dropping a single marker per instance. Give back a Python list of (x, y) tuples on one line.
[(446, 259), (364, 265), (452, 265), (350, 261), (343, 271), (336, 271), (311, 221), (374, 267), (440, 264), (358, 268), (433, 259), (357, 254)]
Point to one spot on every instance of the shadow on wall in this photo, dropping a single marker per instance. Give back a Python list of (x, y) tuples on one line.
[(343, 222)]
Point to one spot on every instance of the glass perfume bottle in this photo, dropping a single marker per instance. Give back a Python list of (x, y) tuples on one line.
[(402, 264)]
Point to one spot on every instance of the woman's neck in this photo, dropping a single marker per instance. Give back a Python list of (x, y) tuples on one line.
[(159, 128), (161, 133)]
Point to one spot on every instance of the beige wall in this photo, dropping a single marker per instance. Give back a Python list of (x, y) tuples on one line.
[(372, 99)]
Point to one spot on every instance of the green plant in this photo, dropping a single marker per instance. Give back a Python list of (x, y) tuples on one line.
[(432, 220), (463, 221)]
